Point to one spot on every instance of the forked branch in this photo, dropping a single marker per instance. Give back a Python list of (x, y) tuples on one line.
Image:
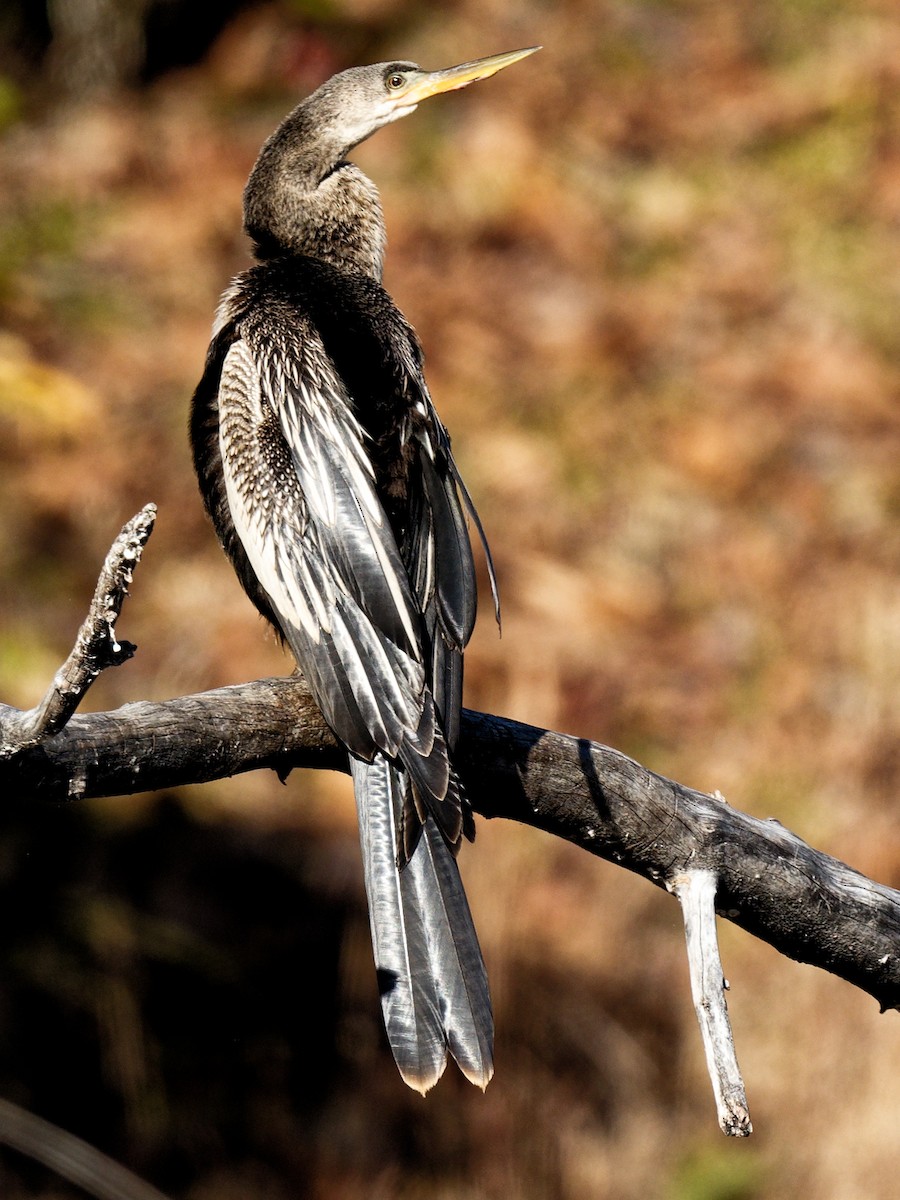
[(96, 646)]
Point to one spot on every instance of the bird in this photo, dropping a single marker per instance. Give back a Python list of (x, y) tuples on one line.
[(333, 490)]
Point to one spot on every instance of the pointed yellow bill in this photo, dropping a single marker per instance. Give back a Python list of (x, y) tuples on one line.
[(430, 83)]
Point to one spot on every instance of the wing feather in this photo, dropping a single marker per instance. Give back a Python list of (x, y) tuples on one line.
[(454, 568), (302, 496), (376, 631)]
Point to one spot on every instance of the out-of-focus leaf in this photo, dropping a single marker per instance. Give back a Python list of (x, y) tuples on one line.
[(41, 402)]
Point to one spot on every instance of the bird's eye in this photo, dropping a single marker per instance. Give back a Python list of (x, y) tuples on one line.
[(395, 81)]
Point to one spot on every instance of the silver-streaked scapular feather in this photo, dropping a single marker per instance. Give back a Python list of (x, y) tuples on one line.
[(331, 483)]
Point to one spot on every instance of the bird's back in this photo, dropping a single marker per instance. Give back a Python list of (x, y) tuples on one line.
[(315, 377), (298, 310)]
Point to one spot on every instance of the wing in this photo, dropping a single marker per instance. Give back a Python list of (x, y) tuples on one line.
[(438, 556), (302, 498), (303, 502)]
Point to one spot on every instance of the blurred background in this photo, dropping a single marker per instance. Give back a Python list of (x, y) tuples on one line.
[(656, 273)]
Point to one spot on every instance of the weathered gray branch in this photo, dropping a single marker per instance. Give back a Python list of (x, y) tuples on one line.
[(696, 892), (96, 646), (806, 904)]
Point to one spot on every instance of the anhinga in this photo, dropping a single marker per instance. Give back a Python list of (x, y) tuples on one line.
[(329, 478)]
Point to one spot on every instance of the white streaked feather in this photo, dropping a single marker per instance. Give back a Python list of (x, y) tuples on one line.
[(363, 477), (240, 413), (318, 431), (395, 585), (306, 602), (287, 525), (428, 577), (322, 597)]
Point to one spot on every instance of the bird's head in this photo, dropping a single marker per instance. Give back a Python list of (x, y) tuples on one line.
[(357, 102), (302, 197)]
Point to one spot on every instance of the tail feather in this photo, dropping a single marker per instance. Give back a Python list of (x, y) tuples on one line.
[(457, 965), (434, 991)]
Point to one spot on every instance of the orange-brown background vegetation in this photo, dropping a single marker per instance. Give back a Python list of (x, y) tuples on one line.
[(655, 269)]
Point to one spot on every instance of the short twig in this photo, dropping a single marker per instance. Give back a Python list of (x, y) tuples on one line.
[(96, 646), (696, 892)]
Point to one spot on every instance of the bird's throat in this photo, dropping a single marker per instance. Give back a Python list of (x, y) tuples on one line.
[(336, 218)]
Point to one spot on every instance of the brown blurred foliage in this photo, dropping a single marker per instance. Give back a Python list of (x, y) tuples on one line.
[(656, 273)]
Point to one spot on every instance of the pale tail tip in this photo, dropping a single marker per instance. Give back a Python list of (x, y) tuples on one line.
[(479, 1078), (424, 1083)]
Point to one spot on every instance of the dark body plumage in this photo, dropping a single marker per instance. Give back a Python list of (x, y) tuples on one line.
[(330, 481)]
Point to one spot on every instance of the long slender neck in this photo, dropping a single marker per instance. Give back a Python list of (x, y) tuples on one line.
[(303, 197)]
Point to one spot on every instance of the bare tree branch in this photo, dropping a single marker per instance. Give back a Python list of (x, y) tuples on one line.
[(96, 647), (811, 907), (70, 1156), (696, 892), (806, 904)]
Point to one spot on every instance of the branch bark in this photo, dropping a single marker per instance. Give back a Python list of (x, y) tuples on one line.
[(808, 905)]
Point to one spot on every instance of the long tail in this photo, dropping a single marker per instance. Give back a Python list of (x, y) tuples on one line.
[(434, 989)]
